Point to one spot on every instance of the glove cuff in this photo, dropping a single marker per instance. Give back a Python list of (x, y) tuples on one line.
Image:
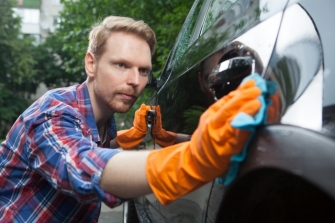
[(163, 173), (165, 138), (128, 139)]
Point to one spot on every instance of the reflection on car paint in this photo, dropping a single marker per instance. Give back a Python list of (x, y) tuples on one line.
[(227, 75)]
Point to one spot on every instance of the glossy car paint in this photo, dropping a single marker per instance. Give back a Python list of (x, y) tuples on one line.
[(292, 44)]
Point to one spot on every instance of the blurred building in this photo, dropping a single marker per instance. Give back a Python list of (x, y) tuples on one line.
[(39, 17)]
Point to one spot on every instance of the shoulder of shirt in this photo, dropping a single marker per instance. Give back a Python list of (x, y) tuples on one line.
[(60, 102), (58, 99)]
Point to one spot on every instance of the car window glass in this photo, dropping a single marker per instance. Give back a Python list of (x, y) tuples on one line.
[(216, 9), (231, 8), (183, 102), (184, 37)]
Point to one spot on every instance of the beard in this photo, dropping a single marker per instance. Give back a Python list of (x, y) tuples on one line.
[(114, 102), (121, 106)]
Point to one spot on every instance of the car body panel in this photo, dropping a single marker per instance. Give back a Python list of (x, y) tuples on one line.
[(289, 174)]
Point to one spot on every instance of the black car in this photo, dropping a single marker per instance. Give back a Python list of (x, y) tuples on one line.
[(289, 172)]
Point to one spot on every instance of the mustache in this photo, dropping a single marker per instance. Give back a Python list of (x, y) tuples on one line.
[(128, 91)]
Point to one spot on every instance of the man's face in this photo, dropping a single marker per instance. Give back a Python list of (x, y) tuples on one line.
[(122, 72)]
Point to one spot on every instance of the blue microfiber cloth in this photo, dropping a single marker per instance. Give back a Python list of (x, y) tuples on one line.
[(247, 122)]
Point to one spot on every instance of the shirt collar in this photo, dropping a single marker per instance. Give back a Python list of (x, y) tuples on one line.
[(86, 110)]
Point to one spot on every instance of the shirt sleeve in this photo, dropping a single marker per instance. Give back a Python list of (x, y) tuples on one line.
[(62, 151)]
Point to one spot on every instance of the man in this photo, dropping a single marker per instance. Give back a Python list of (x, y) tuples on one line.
[(55, 164)]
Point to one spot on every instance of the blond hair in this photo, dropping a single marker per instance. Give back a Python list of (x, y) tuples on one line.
[(100, 33)]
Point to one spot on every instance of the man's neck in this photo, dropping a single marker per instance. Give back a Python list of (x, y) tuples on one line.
[(99, 109), (102, 132)]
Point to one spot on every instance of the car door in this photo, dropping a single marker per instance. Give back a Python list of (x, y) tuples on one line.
[(212, 30)]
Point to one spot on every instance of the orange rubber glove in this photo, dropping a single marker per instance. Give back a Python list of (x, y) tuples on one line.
[(179, 169), (162, 137), (273, 111), (132, 137)]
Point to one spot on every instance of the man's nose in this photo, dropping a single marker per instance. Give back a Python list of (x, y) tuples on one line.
[(133, 77)]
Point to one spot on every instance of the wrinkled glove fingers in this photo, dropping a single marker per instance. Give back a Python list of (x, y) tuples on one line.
[(234, 105), (158, 120), (128, 139), (140, 118), (246, 84), (251, 107), (142, 110)]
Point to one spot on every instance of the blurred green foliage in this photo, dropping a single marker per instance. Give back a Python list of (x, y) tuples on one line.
[(18, 77)]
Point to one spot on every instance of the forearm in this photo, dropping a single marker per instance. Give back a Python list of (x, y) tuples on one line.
[(113, 144), (124, 175), (182, 138)]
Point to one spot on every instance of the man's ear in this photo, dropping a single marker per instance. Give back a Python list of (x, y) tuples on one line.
[(90, 64)]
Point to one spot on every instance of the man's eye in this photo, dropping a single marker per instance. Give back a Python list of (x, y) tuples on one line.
[(120, 65), (144, 71)]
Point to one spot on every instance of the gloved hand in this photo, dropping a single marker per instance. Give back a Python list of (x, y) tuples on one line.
[(271, 103), (179, 169), (130, 138), (162, 137)]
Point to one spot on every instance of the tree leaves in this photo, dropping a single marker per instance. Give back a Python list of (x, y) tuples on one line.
[(17, 74)]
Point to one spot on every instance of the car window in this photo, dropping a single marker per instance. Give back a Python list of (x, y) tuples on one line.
[(216, 9), (184, 37), (187, 35)]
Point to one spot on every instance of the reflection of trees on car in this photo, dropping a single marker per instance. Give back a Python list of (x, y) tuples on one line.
[(217, 34), (282, 70), (193, 95), (181, 95), (192, 116)]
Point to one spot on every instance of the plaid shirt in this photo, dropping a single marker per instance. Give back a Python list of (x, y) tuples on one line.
[(51, 161)]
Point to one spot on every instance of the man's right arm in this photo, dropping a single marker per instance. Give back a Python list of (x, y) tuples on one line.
[(125, 175), (60, 149)]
